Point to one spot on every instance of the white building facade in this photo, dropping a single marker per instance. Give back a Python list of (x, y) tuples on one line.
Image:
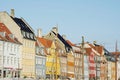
[(10, 54)]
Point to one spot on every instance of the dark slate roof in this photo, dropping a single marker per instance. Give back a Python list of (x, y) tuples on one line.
[(109, 56), (67, 46), (24, 28), (22, 25)]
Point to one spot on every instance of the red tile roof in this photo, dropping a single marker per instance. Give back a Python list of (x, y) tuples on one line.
[(70, 43), (3, 29), (45, 42), (99, 49), (88, 51), (115, 53)]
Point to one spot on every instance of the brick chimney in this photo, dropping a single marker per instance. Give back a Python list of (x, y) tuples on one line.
[(12, 13)]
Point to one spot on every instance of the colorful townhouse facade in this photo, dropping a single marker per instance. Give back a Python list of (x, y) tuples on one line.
[(25, 34), (118, 68), (40, 61), (10, 54), (62, 43), (51, 56), (77, 60), (40, 58), (116, 55)]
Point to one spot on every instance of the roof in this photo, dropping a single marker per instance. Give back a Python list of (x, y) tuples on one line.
[(98, 48), (70, 43), (45, 42), (67, 46), (24, 27), (116, 53), (3, 28), (88, 51), (6, 34)]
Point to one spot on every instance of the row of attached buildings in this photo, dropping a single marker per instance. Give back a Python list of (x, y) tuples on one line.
[(26, 55)]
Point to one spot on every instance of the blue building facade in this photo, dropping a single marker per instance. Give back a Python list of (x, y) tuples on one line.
[(40, 67), (40, 62)]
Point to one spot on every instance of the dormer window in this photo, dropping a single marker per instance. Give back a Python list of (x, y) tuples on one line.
[(11, 36), (23, 33), (31, 35), (27, 35), (2, 34), (41, 50)]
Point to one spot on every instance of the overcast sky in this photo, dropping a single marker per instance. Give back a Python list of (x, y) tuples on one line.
[(96, 20)]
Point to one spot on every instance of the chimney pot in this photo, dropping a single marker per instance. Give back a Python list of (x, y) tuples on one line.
[(12, 13)]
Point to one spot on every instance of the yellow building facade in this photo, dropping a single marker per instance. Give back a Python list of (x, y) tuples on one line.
[(53, 63), (28, 58)]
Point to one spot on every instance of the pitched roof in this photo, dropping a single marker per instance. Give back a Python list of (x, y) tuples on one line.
[(88, 51), (70, 43), (67, 46), (3, 28), (116, 53), (98, 48), (6, 32), (45, 42), (24, 27)]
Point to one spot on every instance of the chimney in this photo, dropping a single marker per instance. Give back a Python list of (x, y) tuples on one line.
[(12, 13), (64, 36), (55, 29), (39, 33), (94, 42)]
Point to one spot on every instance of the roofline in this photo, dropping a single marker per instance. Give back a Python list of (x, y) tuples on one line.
[(27, 24)]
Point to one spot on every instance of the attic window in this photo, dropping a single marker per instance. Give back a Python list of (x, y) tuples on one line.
[(27, 35), (41, 50), (31, 35), (23, 33)]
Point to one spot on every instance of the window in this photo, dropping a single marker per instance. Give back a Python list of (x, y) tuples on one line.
[(11, 47), (27, 35), (14, 60), (31, 35), (4, 59), (41, 50), (23, 33), (0, 60), (11, 60), (7, 60)]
